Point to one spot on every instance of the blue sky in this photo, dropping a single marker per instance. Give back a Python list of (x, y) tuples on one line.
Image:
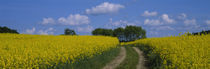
[(159, 17)]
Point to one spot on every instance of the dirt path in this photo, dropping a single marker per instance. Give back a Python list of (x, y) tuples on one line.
[(141, 63), (114, 63)]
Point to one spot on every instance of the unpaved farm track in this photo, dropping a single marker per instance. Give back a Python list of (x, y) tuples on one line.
[(141, 63), (114, 63), (120, 58)]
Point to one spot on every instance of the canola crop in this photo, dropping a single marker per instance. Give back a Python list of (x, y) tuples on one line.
[(47, 51), (181, 52)]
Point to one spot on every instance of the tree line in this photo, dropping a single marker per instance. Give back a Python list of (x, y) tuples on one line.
[(7, 30), (129, 33), (202, 32)]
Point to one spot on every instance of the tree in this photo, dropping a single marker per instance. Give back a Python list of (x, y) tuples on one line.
[(119, 33), (69, 32), (101, 31), (202, 32), (7, 30), (134, 32), (129, 33)]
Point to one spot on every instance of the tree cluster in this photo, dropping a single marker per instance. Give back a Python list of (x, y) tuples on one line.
[(69, 32), (7, 30), (101, 31), (129, 33), (202, 32)]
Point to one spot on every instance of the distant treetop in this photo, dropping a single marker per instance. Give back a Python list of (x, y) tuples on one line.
[(202, 32), (7, 30), (69, 32), (129, 33)]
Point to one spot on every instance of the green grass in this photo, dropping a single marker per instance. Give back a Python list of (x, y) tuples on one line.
[(97, 62), (153, 59), (131, 59)]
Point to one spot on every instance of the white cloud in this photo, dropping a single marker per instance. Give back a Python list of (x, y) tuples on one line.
[(159, 34), (147, 13), (42, 32), (208, 22), (182, 16), (166, 18), (189, 25), (165, 28), (162, 28), (188, 22), (48, 21), (47, 31), (153, 33), (152, 22), (104, 8), (120, 23), (30, 31), (76, 19), (85, 29)]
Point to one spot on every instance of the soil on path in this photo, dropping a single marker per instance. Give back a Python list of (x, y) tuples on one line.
[(141, 63), (117, 60)]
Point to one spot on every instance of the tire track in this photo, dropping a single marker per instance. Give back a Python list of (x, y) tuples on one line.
[(114, 63), (141, 63)]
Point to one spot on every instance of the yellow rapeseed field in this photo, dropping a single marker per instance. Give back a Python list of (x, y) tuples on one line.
[(47, 51), (181, 52)]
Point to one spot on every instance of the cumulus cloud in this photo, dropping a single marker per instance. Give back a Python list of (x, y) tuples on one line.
[(165, 28), (85, 29), (76, 19), (208, 22), (188, 22), (182, 16), (152, 22), (30, 31), (104, 8), (153, 33), (47, 31), (119, 23), (48, 21), (42, 32), (72, 19), (159, 33), (166, 18), (147, 13)]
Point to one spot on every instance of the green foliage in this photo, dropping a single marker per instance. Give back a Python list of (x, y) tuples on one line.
[(129, 33), (118, 32), (153, 59), (105, 32), (69, 32), (202, 32), (131, 59), (7, 30), (96, 62), (134, 32)]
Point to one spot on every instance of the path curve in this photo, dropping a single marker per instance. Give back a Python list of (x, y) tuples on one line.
[(141, 63), (117, 60)]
